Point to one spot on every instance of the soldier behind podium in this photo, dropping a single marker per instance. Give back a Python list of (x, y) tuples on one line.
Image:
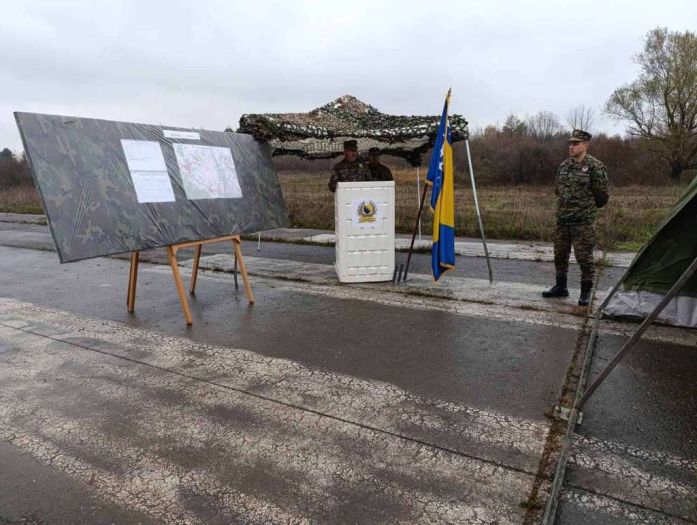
[(378, 171), (349, 169)]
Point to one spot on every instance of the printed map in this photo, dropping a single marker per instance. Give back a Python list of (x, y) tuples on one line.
[(207, 172)]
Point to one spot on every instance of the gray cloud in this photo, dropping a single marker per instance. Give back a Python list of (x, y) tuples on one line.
[(203, 64)]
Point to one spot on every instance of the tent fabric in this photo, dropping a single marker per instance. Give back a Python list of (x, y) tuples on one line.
[(659, 265), (320, 133), (671, 250), (680, 310)]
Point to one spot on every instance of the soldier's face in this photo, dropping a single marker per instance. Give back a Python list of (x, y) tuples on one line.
[(577, 149), (350, 154)]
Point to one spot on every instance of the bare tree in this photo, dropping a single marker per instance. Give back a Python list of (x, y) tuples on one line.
[(661, 105), (581, 117), (513, 126), (543, 125)]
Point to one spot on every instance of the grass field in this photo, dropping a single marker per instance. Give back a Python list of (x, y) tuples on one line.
[(509, 212), (20, 199)]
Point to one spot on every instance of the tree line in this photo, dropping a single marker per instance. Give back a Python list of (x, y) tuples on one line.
[(660, 145), (659, 108), (14, 170), (505, 156), (512, 154)]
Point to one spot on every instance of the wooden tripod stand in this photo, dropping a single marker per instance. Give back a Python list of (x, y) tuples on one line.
[(178, 281)]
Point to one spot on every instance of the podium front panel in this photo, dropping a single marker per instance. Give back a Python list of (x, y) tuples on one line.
[(364, 219)]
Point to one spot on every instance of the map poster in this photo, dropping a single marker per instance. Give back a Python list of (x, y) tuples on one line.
[(208, 172)]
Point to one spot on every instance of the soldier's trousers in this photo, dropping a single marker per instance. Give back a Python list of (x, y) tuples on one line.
[(582, 238)]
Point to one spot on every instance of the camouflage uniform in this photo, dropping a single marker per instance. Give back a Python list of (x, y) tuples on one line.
[(581, 189), (347, 171), (378, 171)]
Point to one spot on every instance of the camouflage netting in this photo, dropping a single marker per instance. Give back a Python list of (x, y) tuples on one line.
[(320, 133)]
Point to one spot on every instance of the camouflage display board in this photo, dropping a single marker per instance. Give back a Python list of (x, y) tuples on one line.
[(113, 187)]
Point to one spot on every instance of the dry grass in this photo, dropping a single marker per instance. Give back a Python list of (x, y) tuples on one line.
[(515, 212), (509, 212), (20, 199)]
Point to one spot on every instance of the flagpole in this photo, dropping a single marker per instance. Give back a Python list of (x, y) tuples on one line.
[(476, 207), (418, 192), (421, 204)]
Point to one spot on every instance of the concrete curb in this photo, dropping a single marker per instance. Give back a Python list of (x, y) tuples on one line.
[(515, 250)]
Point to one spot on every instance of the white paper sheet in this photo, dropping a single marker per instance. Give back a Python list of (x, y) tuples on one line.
[(152, 186), (143, 155), (177, 134), (148, 171), (207, 172)]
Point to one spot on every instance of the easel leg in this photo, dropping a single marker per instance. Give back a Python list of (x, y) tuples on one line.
[(132, 283), (194, 271), (243, 270), (171, 255)]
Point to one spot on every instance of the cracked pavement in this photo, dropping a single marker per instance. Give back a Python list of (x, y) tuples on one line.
[(322, 403)]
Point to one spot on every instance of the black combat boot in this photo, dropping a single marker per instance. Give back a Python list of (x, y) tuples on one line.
[(558, 290), (586, 287)]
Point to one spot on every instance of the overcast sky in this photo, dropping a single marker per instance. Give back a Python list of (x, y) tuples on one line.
[(205, 63)]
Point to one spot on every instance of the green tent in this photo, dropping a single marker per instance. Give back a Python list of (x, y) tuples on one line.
[(658, 266)]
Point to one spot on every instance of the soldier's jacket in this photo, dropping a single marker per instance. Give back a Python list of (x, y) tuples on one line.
[(581, 189), (379, 171), (346, 171)]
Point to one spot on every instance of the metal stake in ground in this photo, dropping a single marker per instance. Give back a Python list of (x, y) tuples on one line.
[(476, 207), (413, 237)]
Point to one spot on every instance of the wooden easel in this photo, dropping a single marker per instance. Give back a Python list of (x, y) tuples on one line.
[(172, 257)]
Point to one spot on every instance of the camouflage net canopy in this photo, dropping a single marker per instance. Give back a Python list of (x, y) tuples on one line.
[(320, 134)]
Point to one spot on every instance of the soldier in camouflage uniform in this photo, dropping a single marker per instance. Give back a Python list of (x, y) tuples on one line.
[(378, 171), (581, 188), (349, 169)]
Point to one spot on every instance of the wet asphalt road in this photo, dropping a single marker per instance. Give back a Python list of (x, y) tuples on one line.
[(507, 270), (309, 405)]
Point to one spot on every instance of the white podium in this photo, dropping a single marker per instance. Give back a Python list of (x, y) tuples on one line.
[(364, 219)]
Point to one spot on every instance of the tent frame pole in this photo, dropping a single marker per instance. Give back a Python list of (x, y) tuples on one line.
[(687, 274), (476, 207)]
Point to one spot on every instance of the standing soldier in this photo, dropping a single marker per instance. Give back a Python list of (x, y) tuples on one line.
[(378, 171), (349, 169), (581, 188)]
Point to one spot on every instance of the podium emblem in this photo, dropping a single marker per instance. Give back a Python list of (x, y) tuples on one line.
[(367, 211)]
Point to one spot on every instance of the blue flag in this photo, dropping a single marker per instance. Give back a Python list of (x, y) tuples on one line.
[(440, 178)]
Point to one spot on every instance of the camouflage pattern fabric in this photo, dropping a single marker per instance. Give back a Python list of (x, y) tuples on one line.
[(581, 189), (379, 171), (347, 171), (81, 173), (582, 238), (321, 132)]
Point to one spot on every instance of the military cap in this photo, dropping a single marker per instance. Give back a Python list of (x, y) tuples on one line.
[(578, 135), (374, 149), (351, 145)]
